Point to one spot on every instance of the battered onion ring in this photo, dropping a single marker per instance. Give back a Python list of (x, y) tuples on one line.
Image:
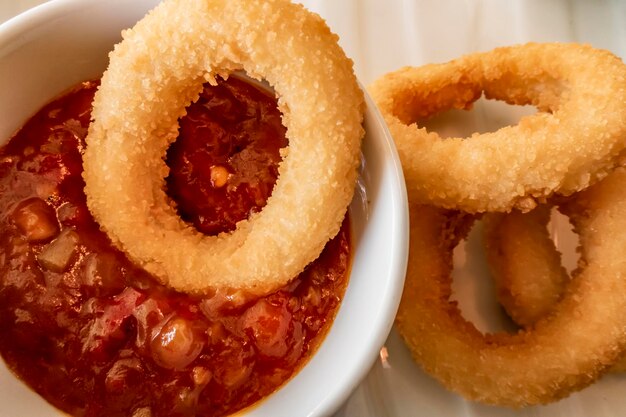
[(525, 263), (156, 72), (559, 150), (526, 266), (546, 362)]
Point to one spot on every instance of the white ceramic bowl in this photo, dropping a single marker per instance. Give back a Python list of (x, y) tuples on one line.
[(48, 49)]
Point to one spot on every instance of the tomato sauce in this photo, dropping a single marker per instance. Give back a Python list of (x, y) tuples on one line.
[(94, 334)]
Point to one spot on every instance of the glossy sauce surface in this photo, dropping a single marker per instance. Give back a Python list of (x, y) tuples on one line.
[(220, 181), (96, 335)]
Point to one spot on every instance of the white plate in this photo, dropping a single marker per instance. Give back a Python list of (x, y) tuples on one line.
[(383, 35)]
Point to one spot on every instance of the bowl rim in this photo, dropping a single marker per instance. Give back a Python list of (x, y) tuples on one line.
[(390, 293)]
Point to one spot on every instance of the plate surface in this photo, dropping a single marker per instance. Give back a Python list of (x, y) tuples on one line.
[(382, 36)]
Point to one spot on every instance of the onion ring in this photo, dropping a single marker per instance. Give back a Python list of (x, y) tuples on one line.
[(559, 150), (553, 358), (526, 266), (156, 71)]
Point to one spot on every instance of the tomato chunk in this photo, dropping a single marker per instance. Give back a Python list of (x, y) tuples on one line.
[(36, 220), (269, 325), (106, 332), (177, 344)]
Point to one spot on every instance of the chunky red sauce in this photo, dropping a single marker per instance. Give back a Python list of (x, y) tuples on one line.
[(97, 336), (220, 181)]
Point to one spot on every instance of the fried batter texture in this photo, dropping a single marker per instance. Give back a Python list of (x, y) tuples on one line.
[(158, 70), (525, 263), (559, 150), (563, 351), (526, 266), (568, 151)]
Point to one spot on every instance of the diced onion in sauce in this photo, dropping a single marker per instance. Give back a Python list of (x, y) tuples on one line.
[(57, 255)]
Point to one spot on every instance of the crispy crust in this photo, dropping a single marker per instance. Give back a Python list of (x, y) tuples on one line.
[(564, 351), (156, 72), (526, 266), (559, 150)]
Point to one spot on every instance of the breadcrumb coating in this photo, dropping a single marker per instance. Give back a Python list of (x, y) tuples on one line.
[(564, 351), (526, 266), (156, 71), (573, 141)]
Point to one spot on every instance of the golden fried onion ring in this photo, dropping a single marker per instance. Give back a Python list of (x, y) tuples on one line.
[(564, 351), (526, 266), (573, 141), (159, 69)]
